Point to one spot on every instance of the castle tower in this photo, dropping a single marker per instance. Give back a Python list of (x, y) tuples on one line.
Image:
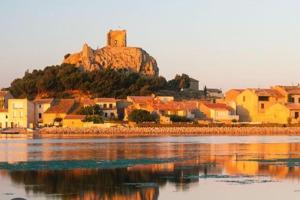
[(116, 38)]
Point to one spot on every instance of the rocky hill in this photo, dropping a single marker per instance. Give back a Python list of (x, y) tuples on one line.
[(115, 55)]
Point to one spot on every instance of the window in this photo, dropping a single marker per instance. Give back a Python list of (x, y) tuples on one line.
[(112, 115), (262, 106), (40, 115), (263, 98), (110, 105), (296, 115), (105, 114), (298, 100), (40, 106), (104, 105)]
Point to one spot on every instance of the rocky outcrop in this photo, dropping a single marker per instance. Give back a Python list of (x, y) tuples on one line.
[(130, 58)]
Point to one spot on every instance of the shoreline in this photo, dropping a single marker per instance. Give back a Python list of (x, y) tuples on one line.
[(166, 131)]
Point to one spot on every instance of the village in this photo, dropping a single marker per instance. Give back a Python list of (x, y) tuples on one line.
[(275, 105)]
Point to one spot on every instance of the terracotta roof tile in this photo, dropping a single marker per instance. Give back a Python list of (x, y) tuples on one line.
[(105, 100), (43, 101), (293, 106), (268, 92), (62, 106)]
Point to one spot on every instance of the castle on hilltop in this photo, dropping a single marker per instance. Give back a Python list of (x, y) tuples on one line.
[(117, 38), (114, 55)]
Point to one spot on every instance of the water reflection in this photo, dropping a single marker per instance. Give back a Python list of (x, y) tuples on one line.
[(69, 169)]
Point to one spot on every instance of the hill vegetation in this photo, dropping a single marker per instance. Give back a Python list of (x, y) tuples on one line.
[(56, 81)]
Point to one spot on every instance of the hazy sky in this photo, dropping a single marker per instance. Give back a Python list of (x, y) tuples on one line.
[(222, 43)]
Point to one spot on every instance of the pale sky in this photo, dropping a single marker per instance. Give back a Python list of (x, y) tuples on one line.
[(222, 43)]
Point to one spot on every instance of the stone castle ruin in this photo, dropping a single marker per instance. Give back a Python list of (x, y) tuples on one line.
[(115, 55)]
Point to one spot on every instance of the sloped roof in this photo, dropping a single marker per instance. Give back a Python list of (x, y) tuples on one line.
[(141, 99), (293, 106), (88, 101), (268, 92), (175, 105), (62, 106), (291, 89), (43, 101), (105, 100)]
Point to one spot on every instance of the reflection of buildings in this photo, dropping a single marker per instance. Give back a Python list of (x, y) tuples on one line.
[(142, 181), (13, 152)]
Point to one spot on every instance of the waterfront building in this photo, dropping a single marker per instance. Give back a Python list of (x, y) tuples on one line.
[(279, 104), (40, 107), (20, 113), (218, 112), (108, 107), (58, 111)]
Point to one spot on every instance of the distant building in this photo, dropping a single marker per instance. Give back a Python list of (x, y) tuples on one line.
[(117, 38), (108, 107), (194, 84), (40, 107), (58, 111), (218, 112), (20, 113), (279, 104), (214, 93)]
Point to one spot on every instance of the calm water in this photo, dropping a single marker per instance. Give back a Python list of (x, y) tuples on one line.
[(151, 168)]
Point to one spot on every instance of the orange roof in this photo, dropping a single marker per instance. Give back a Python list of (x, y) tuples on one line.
[(105, 100), (175, 105), (88, 101), (62, 106), (293, 106), (217, 106), (291, 89), (80, 117), (268, 92), (141, 99), (43, 101)]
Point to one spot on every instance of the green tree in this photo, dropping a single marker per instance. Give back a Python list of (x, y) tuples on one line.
[(140, 116)]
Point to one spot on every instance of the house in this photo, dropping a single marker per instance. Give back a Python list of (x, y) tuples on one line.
[(194, 84), (40, 107), (4, 123), (218, 112), (232, 94), (20, 113), (186, 109), (214, 93), (58, 111), (108, 107), (74, 121), (4, 97), (252, 104), (290, 93)]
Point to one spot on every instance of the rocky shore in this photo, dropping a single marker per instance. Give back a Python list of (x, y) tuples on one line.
[(168, 131)]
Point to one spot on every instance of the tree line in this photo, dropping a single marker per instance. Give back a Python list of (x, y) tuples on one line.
[(56, 80)]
